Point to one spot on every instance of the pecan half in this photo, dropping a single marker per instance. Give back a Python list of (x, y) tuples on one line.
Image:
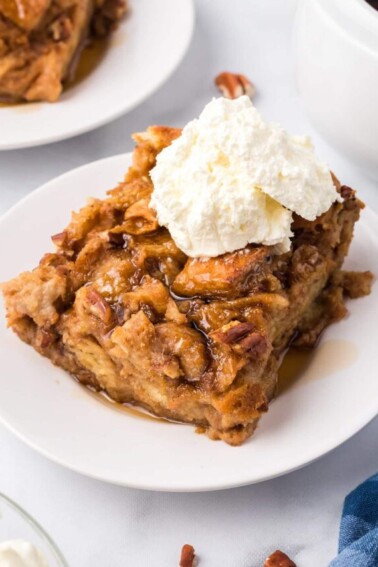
[(233, 85), (279, 559), (188, 557)]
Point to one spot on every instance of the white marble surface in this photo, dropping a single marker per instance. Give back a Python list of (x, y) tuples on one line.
[(98, 525)]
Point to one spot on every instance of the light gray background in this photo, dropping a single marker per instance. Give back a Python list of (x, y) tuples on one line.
[(97, 525)]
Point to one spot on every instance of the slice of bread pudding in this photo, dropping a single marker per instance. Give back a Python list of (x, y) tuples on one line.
[(122, 309), (41, 41)]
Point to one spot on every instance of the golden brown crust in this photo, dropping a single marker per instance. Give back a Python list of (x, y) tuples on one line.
[(196, 340)]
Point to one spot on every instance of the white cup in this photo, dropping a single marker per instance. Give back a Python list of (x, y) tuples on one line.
[(336, 44)]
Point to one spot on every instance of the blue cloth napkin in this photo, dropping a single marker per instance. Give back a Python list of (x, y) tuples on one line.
[(358, 541)]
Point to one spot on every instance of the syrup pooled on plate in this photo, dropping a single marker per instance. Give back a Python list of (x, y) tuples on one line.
[(89, 59), (293, 366), (129, 409), (302, 366)]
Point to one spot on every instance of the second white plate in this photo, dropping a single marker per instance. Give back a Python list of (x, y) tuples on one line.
[(336, 395), (143, 52)]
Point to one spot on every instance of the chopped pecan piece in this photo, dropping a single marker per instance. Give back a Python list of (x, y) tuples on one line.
[(59, 239), (119, 311), (243, 337), (233, 85), (234, 333), (307, 260), (45, 337), (279, 559), (98, 306), (61, 29), (254, 344), (188, 557), (347, 192)]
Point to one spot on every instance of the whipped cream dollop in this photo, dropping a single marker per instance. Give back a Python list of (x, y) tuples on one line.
[(20, 553), (231, 179)]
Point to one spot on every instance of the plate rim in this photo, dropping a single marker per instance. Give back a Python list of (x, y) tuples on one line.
[(206, 486), (112, 116)]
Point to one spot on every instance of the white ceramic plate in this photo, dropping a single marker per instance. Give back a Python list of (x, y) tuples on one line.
[(145, 49), (334, 398)]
